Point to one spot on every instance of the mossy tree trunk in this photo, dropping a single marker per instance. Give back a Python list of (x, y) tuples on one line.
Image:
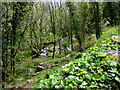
[(52, 19)]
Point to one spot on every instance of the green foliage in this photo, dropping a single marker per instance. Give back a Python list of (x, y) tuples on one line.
[(28, 53), (20, 56), (3, 84), (94, 69), (26, 67), (89, 68), (65, 44), (51, 49), (37, 61), (108, 32), (111, 18), (22, 27), (57, 55)]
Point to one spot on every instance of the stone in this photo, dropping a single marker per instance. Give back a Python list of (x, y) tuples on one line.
[(104, 45), (114, 37), (43, 54), (117, 41), (30, 81), (41, 64), (109, 48), (111, 52)]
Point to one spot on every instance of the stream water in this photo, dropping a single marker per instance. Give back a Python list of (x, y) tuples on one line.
[(45, 50)]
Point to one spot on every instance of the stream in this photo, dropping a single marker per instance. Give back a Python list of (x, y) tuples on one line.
[(45, 50)]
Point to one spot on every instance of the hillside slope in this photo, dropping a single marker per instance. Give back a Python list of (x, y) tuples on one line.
[(95, 69)]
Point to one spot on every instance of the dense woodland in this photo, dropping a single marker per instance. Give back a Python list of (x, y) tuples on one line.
[(41, 37)]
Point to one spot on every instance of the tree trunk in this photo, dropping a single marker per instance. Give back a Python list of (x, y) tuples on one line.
[(14, 25), (52, 19), (54, 48), (5, 58), (71, 41), (40, 35), (11, 40), (71, 22), (60, 46), (53, 28), (97, 20), (31, 42), (3, 71)]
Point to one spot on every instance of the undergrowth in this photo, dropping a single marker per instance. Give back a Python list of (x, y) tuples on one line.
[(95, 68)]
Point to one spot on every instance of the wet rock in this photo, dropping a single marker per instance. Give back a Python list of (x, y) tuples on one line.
[(44, 54), (42, 50), (41, 64), (104, 45), (30, 81), (114, 37), (117, 41), (115, 54), (108, 49), (111, 52)]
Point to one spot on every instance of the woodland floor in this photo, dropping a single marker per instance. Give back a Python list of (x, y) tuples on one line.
[(26, 84), (32, 82)]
